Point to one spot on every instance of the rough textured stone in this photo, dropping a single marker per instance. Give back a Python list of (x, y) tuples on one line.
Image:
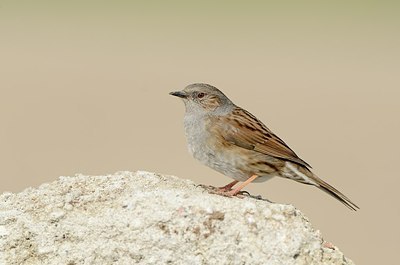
[(146, 218)]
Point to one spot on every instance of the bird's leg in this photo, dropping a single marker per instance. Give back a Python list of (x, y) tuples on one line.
[(237, 190), (229, 186), (219, 190)]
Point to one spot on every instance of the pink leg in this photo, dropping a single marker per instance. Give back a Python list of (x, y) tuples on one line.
[(229, 186), (238, 189)]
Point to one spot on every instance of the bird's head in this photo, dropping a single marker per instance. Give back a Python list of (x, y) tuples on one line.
[(204, 98)]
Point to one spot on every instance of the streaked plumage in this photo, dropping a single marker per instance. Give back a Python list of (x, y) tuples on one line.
[(234, 142)]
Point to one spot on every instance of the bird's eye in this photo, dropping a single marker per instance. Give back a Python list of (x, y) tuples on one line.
[(200, 95)]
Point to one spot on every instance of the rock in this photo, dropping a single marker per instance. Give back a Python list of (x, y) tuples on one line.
[(146, 218)]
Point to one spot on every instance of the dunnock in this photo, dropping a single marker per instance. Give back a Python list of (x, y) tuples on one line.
[(235, 143)]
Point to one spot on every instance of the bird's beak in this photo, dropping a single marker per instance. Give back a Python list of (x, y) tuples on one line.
[(179, 94)]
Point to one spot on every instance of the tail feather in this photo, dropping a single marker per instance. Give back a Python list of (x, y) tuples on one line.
[(335, 193), (304, 175)]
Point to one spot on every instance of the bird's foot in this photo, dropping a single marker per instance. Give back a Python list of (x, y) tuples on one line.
[(213, 189), (229, 186), (223, 191), (229, 193)]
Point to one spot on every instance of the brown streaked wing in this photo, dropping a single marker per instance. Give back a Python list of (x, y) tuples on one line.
[(245, 130)]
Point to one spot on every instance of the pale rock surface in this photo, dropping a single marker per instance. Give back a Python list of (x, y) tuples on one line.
[(147, 218)]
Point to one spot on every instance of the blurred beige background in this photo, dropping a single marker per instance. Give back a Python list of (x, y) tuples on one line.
[(84, 89)]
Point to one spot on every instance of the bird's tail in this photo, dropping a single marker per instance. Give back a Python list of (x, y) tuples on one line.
[(303, 175), (335, 193)]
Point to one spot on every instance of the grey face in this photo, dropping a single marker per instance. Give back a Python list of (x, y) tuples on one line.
[(203, 98)]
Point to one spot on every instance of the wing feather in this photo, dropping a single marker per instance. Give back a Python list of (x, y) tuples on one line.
[(243, 129)]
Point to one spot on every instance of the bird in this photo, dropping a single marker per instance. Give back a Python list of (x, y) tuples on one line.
[(232, 141)]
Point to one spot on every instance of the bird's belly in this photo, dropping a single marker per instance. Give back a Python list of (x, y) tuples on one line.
[(209, 151), (228, 163)]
